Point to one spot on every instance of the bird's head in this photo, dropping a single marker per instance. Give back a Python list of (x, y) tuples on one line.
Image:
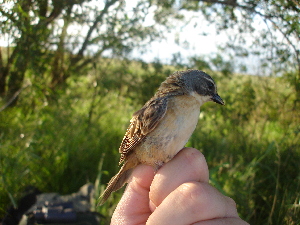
[(200, 85)]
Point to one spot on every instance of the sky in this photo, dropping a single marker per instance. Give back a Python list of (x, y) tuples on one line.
[(191, 39), (192, 43), (189, 35)]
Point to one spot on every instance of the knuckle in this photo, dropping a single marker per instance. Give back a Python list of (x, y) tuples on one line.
[(189, 190), (194, 156), (231, 202), (191, 193), (195, 159)]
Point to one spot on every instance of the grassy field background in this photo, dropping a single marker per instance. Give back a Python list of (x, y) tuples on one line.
[(55, 141)]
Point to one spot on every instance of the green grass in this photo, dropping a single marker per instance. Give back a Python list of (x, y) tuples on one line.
[(56, 141)]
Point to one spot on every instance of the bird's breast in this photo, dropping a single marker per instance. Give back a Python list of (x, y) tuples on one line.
[(172, 133)]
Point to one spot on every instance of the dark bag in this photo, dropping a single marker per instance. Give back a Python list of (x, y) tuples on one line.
[(52, 208)]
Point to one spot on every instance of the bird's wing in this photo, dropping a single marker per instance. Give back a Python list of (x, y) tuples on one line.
[(143, 122)]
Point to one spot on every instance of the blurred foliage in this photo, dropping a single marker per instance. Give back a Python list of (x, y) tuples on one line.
[(272, 25), (267, 30), (251, 144), (74, 104), (53, 40)]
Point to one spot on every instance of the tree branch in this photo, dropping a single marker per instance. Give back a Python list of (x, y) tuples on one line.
[(58, 6), (232, 3), (16, 94), (92, 28)]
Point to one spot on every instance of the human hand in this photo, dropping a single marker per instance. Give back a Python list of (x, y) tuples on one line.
[(179, 193)]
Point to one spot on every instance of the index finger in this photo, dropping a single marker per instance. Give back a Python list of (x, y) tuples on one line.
[(187, 166)]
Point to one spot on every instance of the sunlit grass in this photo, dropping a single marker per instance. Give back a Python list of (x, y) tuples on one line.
[(56, 142)]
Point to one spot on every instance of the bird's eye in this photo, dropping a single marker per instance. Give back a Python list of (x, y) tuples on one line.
[(210, 86)]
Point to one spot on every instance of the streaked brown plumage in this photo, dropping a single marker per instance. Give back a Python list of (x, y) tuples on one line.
[(161, 128)]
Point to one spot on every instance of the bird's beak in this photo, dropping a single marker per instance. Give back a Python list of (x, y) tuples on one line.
[(216, 98)]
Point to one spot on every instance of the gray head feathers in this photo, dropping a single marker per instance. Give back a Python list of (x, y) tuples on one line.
[(186, 82)]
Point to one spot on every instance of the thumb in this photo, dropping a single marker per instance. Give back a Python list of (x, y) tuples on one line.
[(133, 207)]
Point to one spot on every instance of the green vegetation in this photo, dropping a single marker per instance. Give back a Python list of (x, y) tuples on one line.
[(251, 144), (64, 107)]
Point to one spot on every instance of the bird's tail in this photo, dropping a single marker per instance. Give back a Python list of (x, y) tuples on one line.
[(117, 181)]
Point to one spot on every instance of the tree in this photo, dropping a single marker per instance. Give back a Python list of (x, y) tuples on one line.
[(56, 39), (20, 25), (273, 26)]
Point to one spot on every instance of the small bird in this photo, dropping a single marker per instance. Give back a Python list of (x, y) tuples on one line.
[(162, 127)]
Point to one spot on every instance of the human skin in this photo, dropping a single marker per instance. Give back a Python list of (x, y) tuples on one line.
[(178, 193)]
